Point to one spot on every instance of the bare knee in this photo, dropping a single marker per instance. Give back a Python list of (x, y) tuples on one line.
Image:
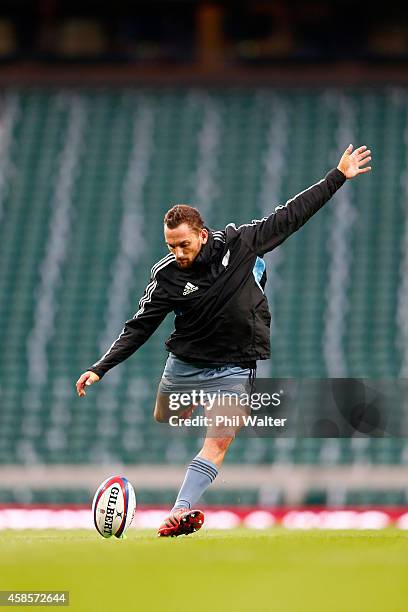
[(161, 409), (159, 415), (159, 418)]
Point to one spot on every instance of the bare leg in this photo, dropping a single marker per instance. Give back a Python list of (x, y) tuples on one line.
[(163, 412), (219, 437), (202, 471), (215, 449)]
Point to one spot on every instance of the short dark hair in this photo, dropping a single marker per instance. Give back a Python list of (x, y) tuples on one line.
[(182, 213)]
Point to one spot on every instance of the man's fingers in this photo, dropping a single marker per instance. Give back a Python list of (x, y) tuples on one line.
[(84, 380), (363, 155), (351, 161), (80, 386), (364, 161)]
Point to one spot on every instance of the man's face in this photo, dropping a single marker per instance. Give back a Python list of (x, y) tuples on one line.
[(185, 243)]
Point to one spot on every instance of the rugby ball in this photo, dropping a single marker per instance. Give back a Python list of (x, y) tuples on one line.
[(114, 506)]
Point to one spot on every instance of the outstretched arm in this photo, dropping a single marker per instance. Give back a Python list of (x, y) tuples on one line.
[(266, 234), (153, 308)]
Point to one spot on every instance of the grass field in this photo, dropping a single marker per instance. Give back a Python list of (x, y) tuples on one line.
[(330, 571)]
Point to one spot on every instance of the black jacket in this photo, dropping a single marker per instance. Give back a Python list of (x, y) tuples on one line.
[(221, 311)]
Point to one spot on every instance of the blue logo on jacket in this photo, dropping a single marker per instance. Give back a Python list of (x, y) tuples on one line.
[(258, 270)]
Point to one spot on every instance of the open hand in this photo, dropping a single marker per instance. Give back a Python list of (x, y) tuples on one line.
[(351, 162)]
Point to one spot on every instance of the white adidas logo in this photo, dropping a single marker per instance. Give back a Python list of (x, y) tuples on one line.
[(189, 288)]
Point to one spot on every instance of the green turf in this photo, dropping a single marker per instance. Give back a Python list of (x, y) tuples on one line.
[(238, 570)]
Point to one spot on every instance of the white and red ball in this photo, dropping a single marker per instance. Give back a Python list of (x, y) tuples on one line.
[(114, 506)]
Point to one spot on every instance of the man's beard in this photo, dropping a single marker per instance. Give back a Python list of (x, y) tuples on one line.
[(185, 264)]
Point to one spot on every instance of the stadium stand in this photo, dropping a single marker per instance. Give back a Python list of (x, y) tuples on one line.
[(85, 178)]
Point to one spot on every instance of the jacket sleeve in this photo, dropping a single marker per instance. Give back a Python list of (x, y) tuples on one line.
[(153, 308), (265, 235)]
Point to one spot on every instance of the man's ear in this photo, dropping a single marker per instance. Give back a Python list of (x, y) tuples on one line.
[(204, 235)]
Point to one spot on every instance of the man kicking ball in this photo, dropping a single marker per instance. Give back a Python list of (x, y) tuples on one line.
[(214, 283)]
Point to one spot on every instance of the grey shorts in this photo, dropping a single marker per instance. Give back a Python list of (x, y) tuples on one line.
[(182, 377)]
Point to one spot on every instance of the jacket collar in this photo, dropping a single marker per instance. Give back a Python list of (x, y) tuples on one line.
[(207, 251)]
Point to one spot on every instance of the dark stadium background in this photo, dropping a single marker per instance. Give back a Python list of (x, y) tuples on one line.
[(109, 113)]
